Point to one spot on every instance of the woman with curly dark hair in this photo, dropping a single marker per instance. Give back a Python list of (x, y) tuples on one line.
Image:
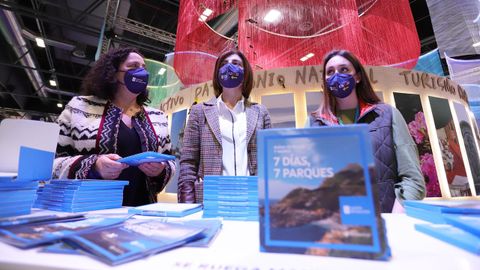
[(111, 121)]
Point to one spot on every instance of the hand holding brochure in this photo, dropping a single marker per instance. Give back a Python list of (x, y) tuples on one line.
[(166, 209), (145, 157)]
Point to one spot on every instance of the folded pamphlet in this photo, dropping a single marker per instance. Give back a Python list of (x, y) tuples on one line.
[(145, 157), (166, 209)]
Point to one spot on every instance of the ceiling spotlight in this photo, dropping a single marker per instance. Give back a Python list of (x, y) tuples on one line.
[(52, 82), (40, 42), (162, 71), (272, 16), (306, 57), (59, 105), (207, 12), (79, 51)]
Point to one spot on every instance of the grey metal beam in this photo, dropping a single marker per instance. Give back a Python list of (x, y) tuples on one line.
[(145, 30), (108, 25), (92, 7), (20, 10), (42, 70)]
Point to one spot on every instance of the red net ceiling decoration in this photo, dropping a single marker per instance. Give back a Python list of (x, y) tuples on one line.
[(197, 45), (282, 32), (378, 32)]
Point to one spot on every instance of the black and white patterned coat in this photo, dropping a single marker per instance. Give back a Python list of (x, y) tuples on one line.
[(89, 127)]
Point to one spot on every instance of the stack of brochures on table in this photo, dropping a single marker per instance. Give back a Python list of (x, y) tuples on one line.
[(166, 209), (230, 197), (16, 197), (210, 228), (38, 233), (81, 195), (133, 239), (456, 222)]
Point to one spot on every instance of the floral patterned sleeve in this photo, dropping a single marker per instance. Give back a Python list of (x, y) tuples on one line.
[(411, 184)]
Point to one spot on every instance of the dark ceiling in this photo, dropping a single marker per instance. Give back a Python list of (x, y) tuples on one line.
[(76, 27)]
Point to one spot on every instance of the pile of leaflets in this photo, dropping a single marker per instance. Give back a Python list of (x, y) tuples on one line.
[(133, 239), (16, 197), (113, 240), (81, 195), (166, 209), (456, 222), (35, 233), (230, 197)]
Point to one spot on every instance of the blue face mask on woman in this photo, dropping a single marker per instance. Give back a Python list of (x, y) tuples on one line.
[(230, 75), (341, 85), (136, 80)]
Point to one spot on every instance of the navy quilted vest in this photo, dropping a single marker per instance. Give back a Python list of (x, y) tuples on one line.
[(379, 120)]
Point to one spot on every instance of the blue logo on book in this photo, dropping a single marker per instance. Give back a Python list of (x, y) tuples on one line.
[(356, 210)]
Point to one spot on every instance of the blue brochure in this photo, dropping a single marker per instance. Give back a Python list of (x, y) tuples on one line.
[(30, 235), (133, 240), (210, 226), (30, 219), (468, 223), (452, 235), (230, 197), (447, 206), (166, 209), (145, 157), (34, 164), (316, 195), (423, 214)]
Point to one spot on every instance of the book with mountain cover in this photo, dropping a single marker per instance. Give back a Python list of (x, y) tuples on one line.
[(316, 195), (133, 239), (30, 235)]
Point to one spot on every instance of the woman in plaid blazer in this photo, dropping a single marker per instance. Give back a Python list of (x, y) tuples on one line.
[(220, 135)]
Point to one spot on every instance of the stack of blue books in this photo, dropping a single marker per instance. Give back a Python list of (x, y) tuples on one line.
[(456, 222), (81, 195), (166, 209), (230, 197), (17, 197)]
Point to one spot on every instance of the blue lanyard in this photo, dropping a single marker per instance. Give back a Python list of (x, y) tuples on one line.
[(357, 114)]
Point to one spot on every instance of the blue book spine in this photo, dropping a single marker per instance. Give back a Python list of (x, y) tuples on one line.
[(424, 214), (452, 235), (469, 223)]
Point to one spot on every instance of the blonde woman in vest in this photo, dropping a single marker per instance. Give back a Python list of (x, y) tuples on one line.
[(349, 99)]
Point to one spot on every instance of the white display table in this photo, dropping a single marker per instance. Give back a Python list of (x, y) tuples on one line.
[(237, 248)]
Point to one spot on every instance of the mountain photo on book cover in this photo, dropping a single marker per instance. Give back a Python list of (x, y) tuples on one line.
[(314, 214), (318, 203)]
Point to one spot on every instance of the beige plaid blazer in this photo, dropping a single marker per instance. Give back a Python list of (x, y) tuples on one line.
[(201, 153)]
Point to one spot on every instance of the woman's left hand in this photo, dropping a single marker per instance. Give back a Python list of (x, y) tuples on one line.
[(152, 169)]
